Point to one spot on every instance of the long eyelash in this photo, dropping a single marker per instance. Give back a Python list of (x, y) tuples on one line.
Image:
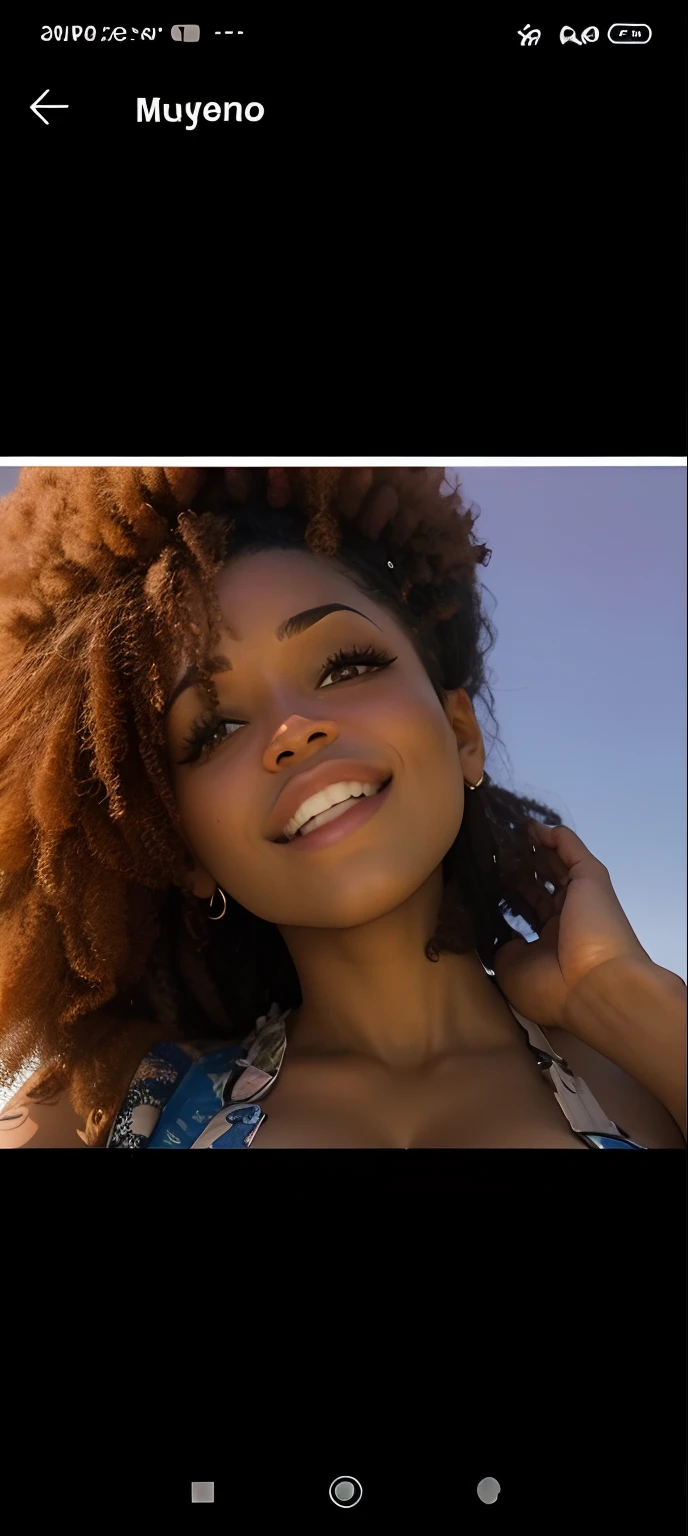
[(358, 656), (201, 734), (202, 731)]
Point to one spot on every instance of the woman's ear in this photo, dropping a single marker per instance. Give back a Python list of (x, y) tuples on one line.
[(461, 716)]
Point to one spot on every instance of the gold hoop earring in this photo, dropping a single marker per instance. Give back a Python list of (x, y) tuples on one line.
[(475, 786), (224, 909)]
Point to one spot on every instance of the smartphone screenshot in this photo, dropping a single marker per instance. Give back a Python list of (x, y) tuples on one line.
[(342, 769)]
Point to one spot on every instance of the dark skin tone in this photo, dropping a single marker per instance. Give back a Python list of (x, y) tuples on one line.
[(356, 916), (387, 1048)]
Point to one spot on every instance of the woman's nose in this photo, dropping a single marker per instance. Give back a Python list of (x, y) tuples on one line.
[(299, 738)]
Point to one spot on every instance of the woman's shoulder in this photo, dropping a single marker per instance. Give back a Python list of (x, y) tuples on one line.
[(153, 1077), (636, 1112), (52, 1119), (25, 1122)]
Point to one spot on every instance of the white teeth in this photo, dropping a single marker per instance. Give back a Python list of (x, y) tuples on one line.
[(324, 801), (334, 812)]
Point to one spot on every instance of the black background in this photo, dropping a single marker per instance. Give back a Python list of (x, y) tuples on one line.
[(435, 236), (418, 1320)]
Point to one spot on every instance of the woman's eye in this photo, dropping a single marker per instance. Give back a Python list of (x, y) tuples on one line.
[(206, 735), (220, 727), (357, 661), (349, 666)]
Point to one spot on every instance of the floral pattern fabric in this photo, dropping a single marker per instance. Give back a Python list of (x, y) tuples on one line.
[(200, 1094)]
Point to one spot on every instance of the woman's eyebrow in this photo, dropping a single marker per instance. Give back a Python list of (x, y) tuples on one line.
[(301, 621), (286, 631)]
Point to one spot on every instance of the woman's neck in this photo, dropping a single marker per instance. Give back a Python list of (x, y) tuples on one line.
[(371, 991)]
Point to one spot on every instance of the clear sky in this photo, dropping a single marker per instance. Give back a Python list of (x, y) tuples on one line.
[(589, 669)]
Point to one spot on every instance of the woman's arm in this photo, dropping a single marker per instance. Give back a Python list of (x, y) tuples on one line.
[(634, 1013)]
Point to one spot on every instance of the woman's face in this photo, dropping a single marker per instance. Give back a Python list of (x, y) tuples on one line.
[(291, 716)]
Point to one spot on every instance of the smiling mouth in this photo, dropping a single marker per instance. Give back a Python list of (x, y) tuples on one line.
[(312, 830)]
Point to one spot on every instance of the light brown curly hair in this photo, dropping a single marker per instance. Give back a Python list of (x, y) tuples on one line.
[(106, 584)]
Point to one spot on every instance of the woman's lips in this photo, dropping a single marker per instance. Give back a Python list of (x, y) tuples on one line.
[(360, 811)]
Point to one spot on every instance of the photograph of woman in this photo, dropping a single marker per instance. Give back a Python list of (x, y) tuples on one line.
[(257, 886)]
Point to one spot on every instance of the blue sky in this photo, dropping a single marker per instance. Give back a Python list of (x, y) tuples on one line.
[(589, 668)]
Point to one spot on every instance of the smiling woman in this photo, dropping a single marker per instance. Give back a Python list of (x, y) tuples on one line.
[(246, 820)]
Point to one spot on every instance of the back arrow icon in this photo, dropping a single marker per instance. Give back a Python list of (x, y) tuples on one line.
[(47, 105)]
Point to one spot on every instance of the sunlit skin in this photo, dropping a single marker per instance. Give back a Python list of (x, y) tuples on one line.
[(355, 916), (388, 1048)]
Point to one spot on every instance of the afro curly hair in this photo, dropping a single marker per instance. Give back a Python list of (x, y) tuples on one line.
[(107, 582)]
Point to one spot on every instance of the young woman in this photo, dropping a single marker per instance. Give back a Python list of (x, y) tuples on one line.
[(254, 873)]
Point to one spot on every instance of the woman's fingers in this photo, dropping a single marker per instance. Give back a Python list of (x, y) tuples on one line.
[(535, 894), (549, 866), (568, 847)]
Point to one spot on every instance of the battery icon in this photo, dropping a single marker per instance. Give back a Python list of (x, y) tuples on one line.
[(186, 34), (624, 33)]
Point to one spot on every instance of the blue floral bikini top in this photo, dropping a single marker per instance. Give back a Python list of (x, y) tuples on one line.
[(203, 1093)]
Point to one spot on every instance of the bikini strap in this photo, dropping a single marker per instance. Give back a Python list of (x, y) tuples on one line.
[(585, 1116)]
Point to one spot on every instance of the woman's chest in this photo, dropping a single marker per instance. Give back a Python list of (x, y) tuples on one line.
[(496, 1101)]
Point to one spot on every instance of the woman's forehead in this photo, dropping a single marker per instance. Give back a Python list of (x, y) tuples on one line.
[(274, 595), (256, 587)]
